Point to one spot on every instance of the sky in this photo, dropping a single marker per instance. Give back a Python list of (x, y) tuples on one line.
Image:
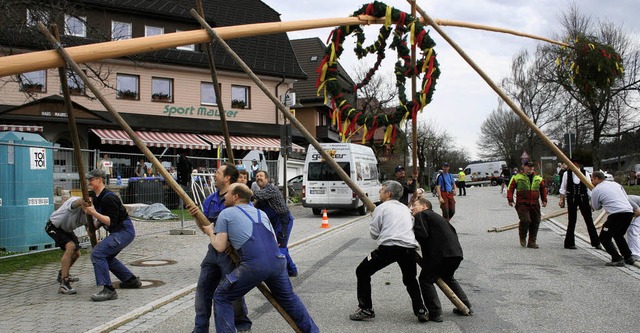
[(462, 100)]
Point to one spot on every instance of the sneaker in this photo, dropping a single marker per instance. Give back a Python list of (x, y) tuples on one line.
[(362, 314), (460, 313), (422, 316), (523, 242), (69, 278), (533, 246), (105, 294), (132, 283), (617, 263), (630, 261), (66, 288)]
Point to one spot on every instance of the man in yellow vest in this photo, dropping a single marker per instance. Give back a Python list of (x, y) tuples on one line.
[(461, 182), (530, 190)]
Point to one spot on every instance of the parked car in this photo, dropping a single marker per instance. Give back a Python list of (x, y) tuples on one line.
[(295, 184)]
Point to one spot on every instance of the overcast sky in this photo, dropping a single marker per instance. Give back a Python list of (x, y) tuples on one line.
[(462, 100)]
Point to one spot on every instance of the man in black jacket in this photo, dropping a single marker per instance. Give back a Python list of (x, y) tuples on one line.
[(408, 185), (441, 257)]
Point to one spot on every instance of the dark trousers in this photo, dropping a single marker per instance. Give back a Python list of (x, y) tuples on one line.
[(445, 271), (615, 227), (529, 222), (462, 187), (585, 210), (380, 258)]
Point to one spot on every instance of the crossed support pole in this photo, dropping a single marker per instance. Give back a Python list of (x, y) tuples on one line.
[(370, 205), (201, 220)]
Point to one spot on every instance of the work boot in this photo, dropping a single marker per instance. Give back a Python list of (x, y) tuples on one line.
[(533, 245), (132, 283), (105, 294), (422, 316)]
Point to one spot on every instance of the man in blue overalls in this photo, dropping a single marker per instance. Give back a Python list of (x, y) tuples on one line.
[(216, 264), (249, 231)]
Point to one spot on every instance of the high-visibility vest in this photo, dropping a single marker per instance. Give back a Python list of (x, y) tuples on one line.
[(461, 176)]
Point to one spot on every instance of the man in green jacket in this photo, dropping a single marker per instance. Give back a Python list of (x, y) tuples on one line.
[(530, 190)]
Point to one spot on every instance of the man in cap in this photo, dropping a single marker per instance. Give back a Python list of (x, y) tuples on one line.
[(108, 211), (446, 190), (612, 197), (577, 197), (530, 189), (408, 185)]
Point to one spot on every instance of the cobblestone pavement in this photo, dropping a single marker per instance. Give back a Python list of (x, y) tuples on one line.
[(30, 301)]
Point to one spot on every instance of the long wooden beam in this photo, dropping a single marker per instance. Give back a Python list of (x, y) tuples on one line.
[(33, 61)]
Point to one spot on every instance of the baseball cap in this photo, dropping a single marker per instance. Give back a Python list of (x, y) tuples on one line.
[(445, 164), (95, 173), (399, 168), (528, 163)]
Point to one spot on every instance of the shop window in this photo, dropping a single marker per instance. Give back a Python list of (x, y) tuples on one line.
[(161, 90), (120, 30), (190, 47), (153, 31), (75, 26), (240, 97), (33, 82), (128, 86), (207, 94)]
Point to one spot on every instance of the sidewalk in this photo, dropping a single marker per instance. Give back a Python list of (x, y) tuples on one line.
[(30, 301)]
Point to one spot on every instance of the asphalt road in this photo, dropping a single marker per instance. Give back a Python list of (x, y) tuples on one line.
[(512, 289)]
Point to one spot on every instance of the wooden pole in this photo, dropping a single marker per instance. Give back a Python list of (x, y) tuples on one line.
[(515, 225), (201, 220), (414, 120), (295, 122), (75, 139), (216, 89), (461, 24), (507, 100), (28, 62), (596, 223)]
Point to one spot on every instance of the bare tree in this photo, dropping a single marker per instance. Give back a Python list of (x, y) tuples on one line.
[(611, 108)]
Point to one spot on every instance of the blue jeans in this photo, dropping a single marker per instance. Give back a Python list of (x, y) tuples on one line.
[(213, 267), (103, 256)]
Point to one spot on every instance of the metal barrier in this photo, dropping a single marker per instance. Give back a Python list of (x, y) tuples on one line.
[(134, 189)]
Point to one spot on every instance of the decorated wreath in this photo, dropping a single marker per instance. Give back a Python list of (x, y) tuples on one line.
[(343, 114), (592, 66)]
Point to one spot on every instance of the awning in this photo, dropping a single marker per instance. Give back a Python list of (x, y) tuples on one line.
[(249, 143), (21, 128), (152, 139)]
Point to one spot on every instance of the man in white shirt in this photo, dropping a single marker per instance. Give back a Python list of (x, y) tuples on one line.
[(392, 227), (612, 197), (577, 195)]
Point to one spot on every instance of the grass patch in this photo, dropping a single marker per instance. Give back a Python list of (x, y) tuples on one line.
[(632, 190), (27, 261), (180, 212)]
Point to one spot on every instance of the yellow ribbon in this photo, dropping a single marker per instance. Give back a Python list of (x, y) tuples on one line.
[(387, 18), (387, 134), (332, 58), (364, 134), (412, 26)]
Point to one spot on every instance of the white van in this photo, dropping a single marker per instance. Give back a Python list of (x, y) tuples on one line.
[(323, 188), (486, 172)]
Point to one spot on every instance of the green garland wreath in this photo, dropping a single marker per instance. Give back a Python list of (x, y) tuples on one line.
[(592, 66), (343, 114)]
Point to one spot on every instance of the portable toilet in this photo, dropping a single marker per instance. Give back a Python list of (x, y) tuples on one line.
[(26, 191)]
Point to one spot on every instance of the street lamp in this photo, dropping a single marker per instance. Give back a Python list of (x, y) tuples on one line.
[(290, 102)]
